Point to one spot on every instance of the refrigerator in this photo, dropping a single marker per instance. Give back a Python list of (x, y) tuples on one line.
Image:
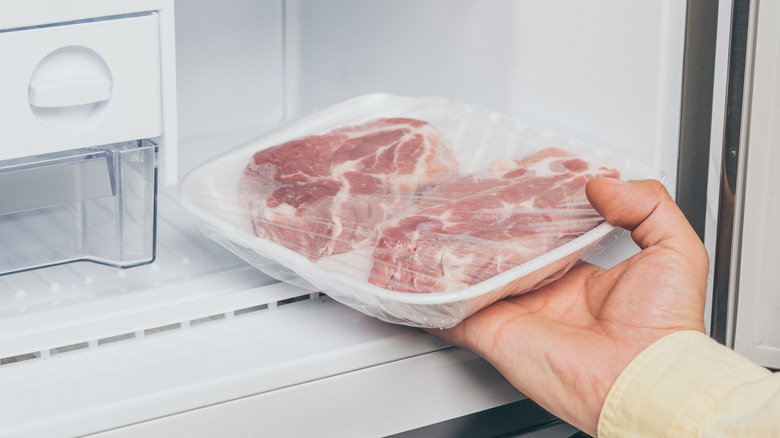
[(118, 317)]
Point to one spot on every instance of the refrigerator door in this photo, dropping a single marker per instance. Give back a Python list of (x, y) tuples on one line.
[(750, 308)]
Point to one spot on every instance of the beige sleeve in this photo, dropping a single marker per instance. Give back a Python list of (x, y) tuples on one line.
[(688, 385)]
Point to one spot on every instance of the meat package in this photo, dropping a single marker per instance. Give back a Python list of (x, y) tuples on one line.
[(418, 211), (473, 227), (327, 194)]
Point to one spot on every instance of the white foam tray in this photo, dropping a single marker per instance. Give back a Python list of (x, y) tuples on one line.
[(477, 135)]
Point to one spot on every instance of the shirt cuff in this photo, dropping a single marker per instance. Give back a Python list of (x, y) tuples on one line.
[(668, 389)]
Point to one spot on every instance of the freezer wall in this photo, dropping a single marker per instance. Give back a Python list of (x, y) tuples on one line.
[(607, 72)]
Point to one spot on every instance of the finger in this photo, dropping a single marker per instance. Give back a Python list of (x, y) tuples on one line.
[(557, 301), (643, 207)]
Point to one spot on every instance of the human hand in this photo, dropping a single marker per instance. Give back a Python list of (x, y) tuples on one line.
[(565, 344)]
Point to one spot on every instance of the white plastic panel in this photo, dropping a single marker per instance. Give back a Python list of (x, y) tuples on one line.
[(372, 402), (229, 58), (80, 84), (148, 374), (608, 72), (757, 332)]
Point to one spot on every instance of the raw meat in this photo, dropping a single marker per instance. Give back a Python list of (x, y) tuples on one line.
[(476, 226), (327, 194)]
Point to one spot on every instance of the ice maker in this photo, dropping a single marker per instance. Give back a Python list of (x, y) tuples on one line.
[(87, 104)]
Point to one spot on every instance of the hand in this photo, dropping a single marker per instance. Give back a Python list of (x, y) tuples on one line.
[(565, 344)]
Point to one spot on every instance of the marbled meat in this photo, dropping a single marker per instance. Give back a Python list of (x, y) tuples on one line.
[(475, 226), (328, 194)]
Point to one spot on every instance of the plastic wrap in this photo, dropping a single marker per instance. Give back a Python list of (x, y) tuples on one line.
[(417, 211)]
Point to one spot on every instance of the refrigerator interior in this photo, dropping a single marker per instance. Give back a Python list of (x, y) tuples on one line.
[(171, 345), (554, 64)]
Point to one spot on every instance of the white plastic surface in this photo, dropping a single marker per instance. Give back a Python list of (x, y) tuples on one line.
[(80, 84), (43, 296), (211, 192), (195, 329), (604, 71), (381, 400), (70, 76), (62, 94), (18, 14), (757, 331), (169, 372)]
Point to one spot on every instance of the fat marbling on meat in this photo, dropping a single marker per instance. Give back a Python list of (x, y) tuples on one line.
[(473, 227), (327, 194)]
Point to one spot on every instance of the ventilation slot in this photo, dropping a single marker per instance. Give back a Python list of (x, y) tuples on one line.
[(206, 319), (118, 338), (84, 345), (251, 309), (19, 358), (294, 300), (69, 348), (161, 329)]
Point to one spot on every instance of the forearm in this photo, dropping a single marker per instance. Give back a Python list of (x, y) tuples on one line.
[(688, 385)]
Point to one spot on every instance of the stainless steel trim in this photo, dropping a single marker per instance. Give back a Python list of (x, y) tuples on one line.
[(724, 297), (696, 111)]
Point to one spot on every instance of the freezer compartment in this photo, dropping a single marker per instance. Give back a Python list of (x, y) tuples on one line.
[(96, 204)]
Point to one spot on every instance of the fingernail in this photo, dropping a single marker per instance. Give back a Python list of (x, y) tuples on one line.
[(614, 180)]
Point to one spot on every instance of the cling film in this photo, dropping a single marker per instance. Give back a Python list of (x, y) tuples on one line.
[(327, 194), (418, 211)]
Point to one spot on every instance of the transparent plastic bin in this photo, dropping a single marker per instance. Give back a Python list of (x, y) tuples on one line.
[(96, 204)]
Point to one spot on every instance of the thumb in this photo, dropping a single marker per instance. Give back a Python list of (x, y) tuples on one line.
[(645, 208)]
